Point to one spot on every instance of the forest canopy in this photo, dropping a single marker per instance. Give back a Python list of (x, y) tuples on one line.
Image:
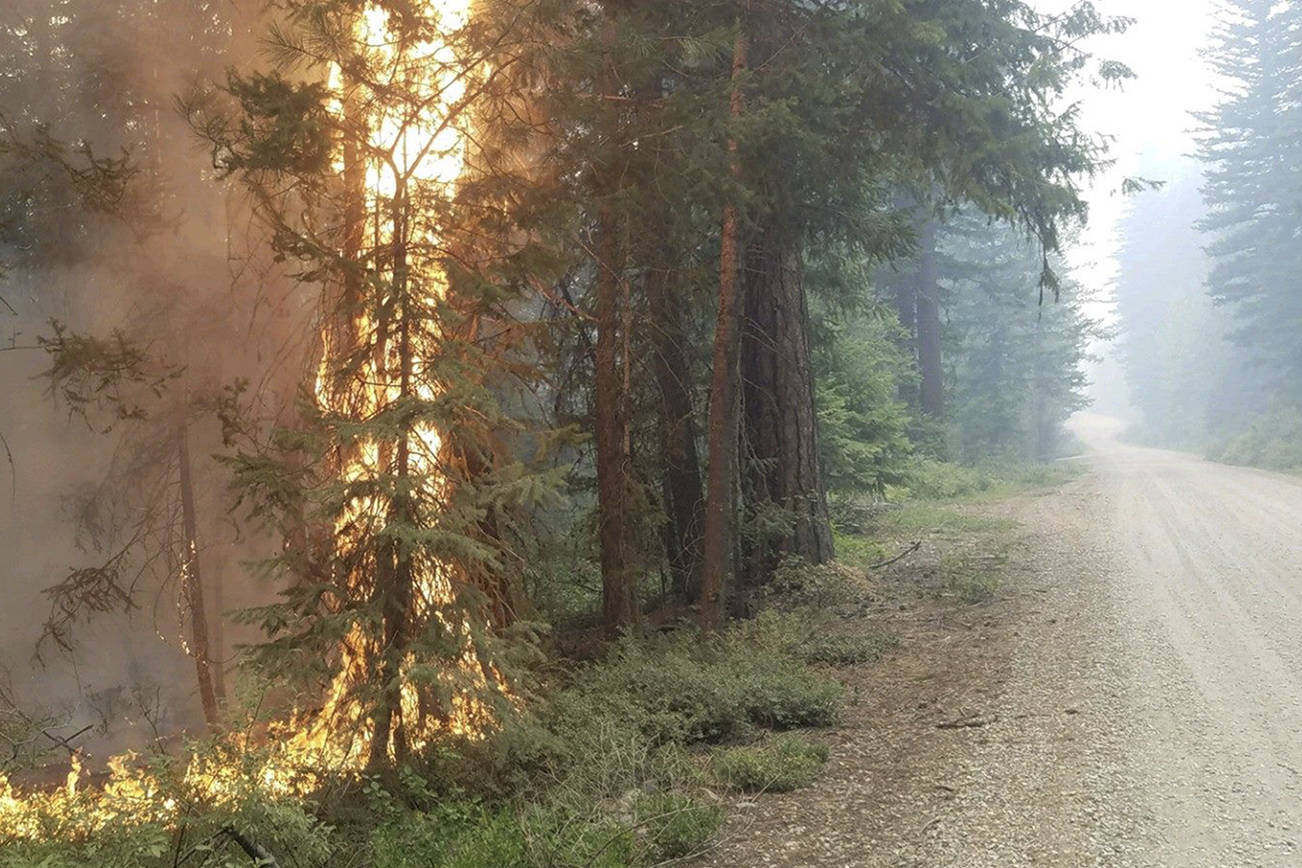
[(419, 349)]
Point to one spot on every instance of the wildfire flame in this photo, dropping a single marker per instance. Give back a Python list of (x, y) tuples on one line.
[(426, 146), (423, 145)]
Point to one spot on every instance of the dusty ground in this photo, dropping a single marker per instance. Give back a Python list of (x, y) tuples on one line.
[(1131, 696)]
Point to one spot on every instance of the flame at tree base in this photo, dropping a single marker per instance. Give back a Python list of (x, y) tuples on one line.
[(293, 761)]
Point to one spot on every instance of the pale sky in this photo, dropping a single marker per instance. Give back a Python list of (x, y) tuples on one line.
[(1149, 115)]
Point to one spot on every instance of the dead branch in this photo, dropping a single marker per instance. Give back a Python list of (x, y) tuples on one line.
[(968, 723), (901, 556), (66, 743)]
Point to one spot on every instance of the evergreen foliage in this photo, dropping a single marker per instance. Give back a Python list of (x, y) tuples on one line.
[(1017, 367), (1187, 380), (1249, 153), (581, 307)]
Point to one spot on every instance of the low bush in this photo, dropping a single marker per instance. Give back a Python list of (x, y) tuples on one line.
[(672, 825), (148, 816), (686, 689), (929, 479), (973, 576), (468, 835), (597, 769), (842, 649), (855, 550), (813, 636), (1272, 441), (456, 835), (784, 764)]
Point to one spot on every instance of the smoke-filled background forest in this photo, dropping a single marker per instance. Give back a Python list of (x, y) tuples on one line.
[(1204, 293), (421, 401)]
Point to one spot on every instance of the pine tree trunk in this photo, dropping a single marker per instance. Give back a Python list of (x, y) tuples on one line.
[(781, 425), (716, 544), (684, 497), (618, 605), (930, 362), (192, 585), (1043, 426), (906, 308), (217, 653), (395, 578)]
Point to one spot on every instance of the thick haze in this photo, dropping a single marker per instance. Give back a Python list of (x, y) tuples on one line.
[(1150, 117), (1151, 123), (76, 490)]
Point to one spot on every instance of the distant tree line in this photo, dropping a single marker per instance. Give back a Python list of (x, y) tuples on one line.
[(1208, 311)]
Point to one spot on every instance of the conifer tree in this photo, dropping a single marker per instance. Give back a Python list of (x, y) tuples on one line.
[(1250, 151), (394, 490), (102, 176), (1015, 368)]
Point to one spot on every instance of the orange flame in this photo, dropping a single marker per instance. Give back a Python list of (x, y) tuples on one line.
[(428, 146), (425, 145)]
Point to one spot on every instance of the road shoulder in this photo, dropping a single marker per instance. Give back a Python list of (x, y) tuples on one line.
[(993, 735)]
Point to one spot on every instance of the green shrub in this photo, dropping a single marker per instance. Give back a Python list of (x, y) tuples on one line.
[(466, 835), (812, 636), (565, 836), (1272, 440), (785, 764), (675, 826), (685, 689), (280, 827), (131, 820), (592, 771), (840, 649), (671, 693), (857, 551), (778, 693), (929, 479), (973, 576), (456, 835)]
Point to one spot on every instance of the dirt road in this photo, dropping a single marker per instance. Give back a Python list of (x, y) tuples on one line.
[(1145, 708), (1177, 585)]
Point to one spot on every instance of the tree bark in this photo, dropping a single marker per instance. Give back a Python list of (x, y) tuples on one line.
[(683, 494), (783, 469), (1043, 425), (716, 544), (395, 575), (192, 585), (930, 362), (618, 601)]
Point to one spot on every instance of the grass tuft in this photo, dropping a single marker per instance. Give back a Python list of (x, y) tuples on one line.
[(782, 765)]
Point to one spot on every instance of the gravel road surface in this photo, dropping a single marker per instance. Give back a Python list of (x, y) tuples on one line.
[(1148, 711), (1158, 718)]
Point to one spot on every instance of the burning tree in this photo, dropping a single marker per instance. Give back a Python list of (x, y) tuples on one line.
[(393, 491)]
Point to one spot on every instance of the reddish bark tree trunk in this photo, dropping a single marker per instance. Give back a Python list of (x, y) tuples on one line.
[(716, 545), (618, 599), (781, 425)]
